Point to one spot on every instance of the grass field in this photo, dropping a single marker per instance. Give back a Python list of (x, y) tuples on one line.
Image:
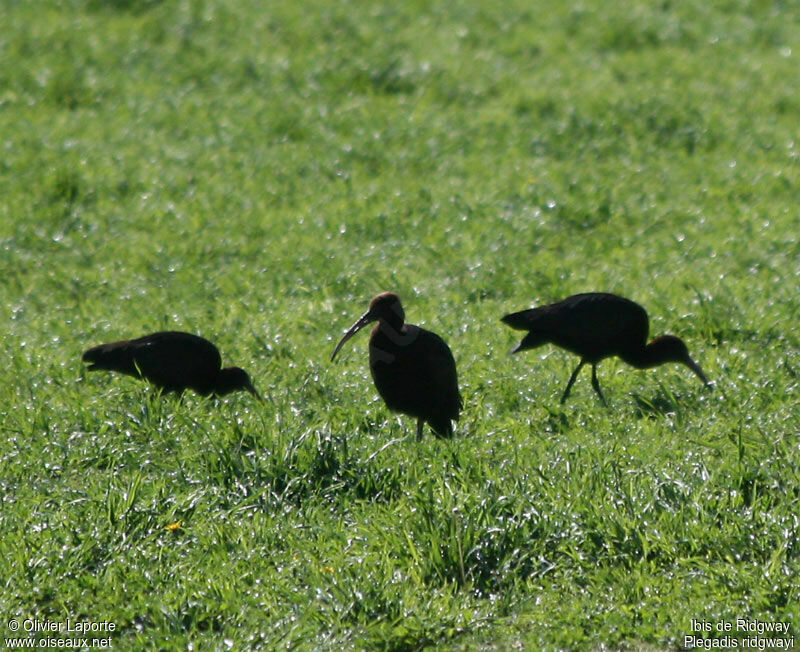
[(254, 173)]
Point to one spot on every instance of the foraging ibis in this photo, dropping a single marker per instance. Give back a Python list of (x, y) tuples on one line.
[(172, 361), (596, 326)]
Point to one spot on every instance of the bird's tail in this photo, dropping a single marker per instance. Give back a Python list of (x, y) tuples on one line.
[(110, 357), (526, 320), (442, 428), (523, 320)]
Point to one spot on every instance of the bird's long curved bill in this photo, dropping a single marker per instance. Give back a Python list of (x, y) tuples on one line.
[(251, 388), (699, 372), (365, 319)]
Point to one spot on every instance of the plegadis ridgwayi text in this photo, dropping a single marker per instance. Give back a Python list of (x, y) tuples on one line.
[(172, 361), (596, 326), (413, 369)]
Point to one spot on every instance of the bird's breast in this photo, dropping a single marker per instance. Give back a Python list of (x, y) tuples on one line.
[(388, 345)]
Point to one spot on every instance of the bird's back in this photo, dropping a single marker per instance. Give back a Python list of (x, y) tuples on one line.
[(171, 360), (593, 325), (415, 373)]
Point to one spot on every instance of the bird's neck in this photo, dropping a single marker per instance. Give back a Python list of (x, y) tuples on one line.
[(226, 382), (391, 323), (651, 355)]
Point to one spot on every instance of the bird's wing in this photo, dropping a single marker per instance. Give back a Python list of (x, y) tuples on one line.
[(175, 360), (440, 377), (415, 373), (598, 322), (590, 325)]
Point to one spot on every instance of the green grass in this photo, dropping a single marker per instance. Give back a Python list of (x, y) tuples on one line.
[(255, 173)]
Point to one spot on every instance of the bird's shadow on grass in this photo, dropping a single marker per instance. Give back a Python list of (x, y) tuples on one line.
[(654, 407), (323, 463), (133, 6), (557, 421)]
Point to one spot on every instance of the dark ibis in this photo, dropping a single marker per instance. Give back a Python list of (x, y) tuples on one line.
[(173, 362), (596, 326), (413, 369)]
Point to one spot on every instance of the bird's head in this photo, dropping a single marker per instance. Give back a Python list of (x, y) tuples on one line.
[(669, 348), (232, 379), (385, 307)]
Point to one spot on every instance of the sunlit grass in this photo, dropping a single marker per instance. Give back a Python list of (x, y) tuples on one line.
[(255, 174)]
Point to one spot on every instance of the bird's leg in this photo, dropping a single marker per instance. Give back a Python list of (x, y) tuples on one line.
[(571, 381), (420, 426), (596, 384)]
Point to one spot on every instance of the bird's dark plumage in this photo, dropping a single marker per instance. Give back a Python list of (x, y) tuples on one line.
[(172, 361), (597, 326), (413, 369)]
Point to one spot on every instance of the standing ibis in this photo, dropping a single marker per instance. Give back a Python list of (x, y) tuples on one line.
[(413, 369), (597, 326), (173, 362)]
